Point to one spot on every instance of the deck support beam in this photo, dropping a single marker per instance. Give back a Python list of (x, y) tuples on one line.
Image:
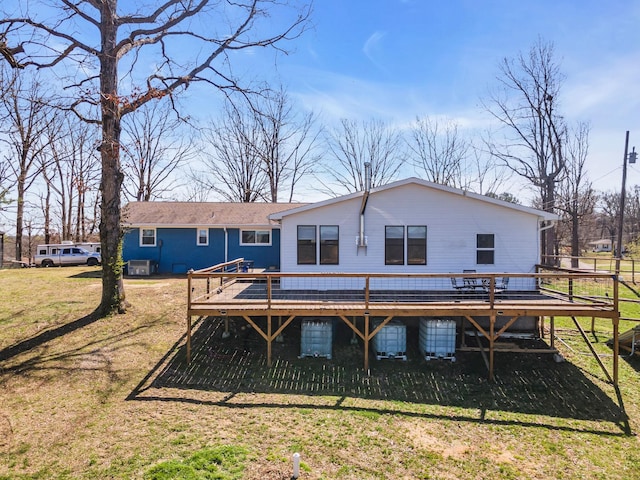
[(269, 339), (492, 326), (593, 350), (366, 341), (188, 339), (616, 349)]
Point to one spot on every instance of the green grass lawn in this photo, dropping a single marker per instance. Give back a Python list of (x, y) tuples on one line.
[(112, 398)]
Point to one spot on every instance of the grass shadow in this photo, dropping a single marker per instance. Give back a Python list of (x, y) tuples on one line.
[(97, 273), (47, 336), (530, 384)]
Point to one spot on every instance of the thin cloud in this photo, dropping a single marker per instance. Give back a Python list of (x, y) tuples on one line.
[(372, 45)]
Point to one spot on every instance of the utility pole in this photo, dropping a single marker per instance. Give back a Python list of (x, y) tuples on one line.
[(632, 159)]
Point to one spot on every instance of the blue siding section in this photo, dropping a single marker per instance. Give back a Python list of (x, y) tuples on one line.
[(176, 250), (263, 256)]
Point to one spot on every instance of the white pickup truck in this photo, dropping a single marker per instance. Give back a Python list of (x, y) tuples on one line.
[(63, 254)]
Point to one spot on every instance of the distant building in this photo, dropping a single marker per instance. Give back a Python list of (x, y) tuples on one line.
[(603, 245)]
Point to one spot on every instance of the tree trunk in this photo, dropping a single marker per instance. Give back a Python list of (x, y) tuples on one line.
[(113, 297), (19, 218), (47, 215), (550, 233), (575, 240)]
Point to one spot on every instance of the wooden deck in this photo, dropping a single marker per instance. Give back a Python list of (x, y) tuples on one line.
[(225, 291)]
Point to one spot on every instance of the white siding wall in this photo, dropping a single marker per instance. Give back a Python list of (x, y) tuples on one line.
[(452, 221)]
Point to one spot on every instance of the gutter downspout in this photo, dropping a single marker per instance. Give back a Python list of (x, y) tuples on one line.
[(540, 230), (226, 245)]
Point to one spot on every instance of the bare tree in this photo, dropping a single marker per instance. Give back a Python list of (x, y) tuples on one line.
[(5, 181), (233, 168), (4, 184), (487, 174), (114, 38), (71, 172), (286, 144), (439, 151), (577, 197), (526, 105), (632, 215), (155, 148), (260, 147), (505, 197), (352, 145), (609, 207), (25, 118)]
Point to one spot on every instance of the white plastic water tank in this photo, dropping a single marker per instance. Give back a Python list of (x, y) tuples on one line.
[(316, 338), (437, 338), (391, 340)]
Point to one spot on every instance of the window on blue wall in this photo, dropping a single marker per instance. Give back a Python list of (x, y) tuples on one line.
[(255, 237), (148, 237), (329, 244), (203, 237), (306, 244)]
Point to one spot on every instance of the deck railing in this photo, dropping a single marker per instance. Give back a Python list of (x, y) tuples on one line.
[(227, 283)]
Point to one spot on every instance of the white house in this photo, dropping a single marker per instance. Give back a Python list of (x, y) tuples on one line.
[(603, 245), (409, 226)]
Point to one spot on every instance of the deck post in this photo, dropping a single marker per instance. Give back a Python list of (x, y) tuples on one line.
[(269, 339), (463, 341), (189, 273), (188, 338), (616, 350), (616, 323), (366, 341), (492, 325)]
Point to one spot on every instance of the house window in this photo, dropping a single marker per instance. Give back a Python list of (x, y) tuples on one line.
[(148, 237), (306, 244), (203, 237), (485, 253), (394, 245), (416, 245), (255, 237), (329, 244)]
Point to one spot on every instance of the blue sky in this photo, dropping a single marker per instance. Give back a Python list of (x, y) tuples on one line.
[(397, 59)]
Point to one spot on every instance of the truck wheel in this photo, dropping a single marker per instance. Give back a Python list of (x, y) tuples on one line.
[(47, 263), (92, 262)]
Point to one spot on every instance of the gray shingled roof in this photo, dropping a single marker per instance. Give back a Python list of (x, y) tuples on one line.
[(201, 213)]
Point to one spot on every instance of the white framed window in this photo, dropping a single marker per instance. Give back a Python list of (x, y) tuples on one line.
[(485, 253), (394, 245), (202, 239), (329, 244), (306, 244), (147, 237), (255, 237)]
